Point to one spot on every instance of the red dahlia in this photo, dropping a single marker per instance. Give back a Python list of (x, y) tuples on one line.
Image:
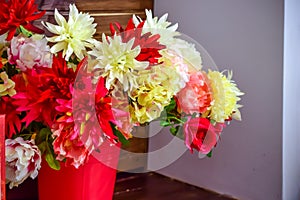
[(149, 43), (16, 13)]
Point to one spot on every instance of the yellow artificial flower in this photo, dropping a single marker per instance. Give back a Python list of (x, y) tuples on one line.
[(150, 102), (72, 36), (117, 60), (7, 87), (153, 94), (225, 97), (3, 42)]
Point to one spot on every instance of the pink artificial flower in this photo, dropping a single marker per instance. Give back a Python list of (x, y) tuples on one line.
[(23, 160), (123, 122), (196, 96), (41, 88), (201, 135), (29, 52), (120, 111), (69, 146)]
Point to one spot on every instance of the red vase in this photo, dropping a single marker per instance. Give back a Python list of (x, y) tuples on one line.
[(93, 181)]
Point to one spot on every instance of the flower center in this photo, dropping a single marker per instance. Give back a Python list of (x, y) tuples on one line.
[(121, 64)]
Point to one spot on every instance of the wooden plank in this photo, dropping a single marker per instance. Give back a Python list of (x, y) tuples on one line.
[(134, 155), (113, 5), (104, 21), (52, 4), (2, 156), (147, 4), (149, 186)]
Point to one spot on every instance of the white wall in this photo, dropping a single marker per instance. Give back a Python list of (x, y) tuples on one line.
[(247, 37), (291, 109)]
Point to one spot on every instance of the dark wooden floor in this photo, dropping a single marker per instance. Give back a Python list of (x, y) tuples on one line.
[(150, 186), (146, 186)]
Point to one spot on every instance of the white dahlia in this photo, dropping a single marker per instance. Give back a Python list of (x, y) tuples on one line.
[(158, 26), (117, 61), (72, 36)]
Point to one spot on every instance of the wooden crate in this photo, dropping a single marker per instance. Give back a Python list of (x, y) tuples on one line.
[(106, 12)]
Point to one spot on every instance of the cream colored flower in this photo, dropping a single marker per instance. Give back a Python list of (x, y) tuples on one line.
[(23, 160), (117, 60), (150, 101), (174, 70), (187, 52), (72, 36), (158, 26), (7, 87), (156, 88), (225, 97)]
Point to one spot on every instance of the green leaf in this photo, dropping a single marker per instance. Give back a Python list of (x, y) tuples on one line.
[(171, 106), (209, 154), (120, 136), (43, 135), (164, 123), (174, 130), (43, 146), (177, 131), (194, 115), (52, 162), (25, 31)]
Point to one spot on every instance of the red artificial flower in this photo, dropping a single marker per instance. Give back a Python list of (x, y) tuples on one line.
[(1, 64), (149, 43), (42, 87), (69, 146), (201, 135), (103, 106), (82, 110), (16, 13), (12, 116)]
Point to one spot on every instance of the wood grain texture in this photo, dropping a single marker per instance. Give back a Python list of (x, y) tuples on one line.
[(52, 4), (103, 22), (133, 156), (149, 186), (113, 5)]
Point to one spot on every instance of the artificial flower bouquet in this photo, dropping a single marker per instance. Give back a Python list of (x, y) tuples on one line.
[(66, 93)]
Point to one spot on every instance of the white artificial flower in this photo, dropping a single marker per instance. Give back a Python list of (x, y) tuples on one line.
[(29, 52), (23, 160), (117, 61), (187, 52), (158, 26), (72, 36)]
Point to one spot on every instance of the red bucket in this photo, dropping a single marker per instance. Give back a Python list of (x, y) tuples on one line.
[(93, 181)]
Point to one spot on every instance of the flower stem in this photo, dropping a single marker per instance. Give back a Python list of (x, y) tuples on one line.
[(176, 119)]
